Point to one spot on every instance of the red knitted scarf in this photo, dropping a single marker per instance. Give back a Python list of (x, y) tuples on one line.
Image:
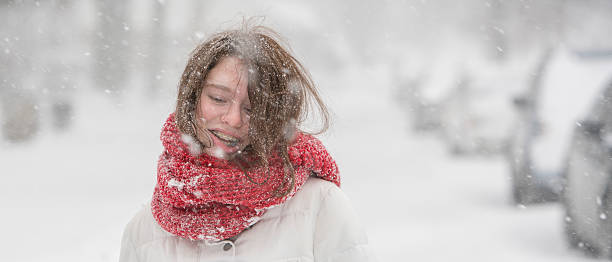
[(203, 197)]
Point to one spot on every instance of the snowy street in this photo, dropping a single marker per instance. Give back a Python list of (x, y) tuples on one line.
[(421, 204), (85, 87), (416, 201)]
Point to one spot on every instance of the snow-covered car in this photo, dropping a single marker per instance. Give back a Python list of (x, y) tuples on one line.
[(423, 87), (425, 95), (560, 92), (477, 116), (587, 193)]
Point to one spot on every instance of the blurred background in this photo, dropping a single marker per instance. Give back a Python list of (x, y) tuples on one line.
[(464, 130)]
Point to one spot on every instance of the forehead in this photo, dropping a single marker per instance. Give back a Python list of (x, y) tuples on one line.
[(228, 69), (229, 74)]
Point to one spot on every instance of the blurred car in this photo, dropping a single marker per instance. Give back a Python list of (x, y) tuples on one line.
[(587, 194), (423, 87), (477, 117), (560, 92), (427, 95)]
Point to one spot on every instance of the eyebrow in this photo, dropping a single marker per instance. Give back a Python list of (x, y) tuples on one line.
[(222, 87)]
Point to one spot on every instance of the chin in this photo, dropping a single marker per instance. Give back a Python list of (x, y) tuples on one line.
[(223, 153)]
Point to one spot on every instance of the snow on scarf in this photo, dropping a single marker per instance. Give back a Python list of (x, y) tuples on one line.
[(203, 197)]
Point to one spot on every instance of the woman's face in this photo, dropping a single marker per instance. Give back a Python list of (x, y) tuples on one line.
[(224, 108)]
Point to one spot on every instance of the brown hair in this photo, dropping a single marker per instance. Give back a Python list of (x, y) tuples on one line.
[(280, 91)]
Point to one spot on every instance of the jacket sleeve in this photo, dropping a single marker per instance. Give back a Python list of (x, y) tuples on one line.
[(339, 237)]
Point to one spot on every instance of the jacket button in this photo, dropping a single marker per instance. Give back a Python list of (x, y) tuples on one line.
[(227, 246)]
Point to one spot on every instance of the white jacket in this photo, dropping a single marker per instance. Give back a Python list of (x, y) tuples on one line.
[(317, 224)]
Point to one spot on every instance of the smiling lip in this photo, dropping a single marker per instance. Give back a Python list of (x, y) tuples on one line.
[(228, 140)]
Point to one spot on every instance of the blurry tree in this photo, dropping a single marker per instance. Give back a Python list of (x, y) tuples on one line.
[(197, 13), (361, 23), (154, 61), (497, 37), (112, 46), (536, 24), (587, 24), (60, 62), (19, 116)]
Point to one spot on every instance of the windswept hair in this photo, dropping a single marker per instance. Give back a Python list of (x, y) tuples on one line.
[(280, 90)]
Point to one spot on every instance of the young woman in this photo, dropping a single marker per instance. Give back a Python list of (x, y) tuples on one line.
[(237, 179)]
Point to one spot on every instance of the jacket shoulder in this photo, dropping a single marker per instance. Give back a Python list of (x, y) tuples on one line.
[(143, 228), (308, 199), (319, 187)]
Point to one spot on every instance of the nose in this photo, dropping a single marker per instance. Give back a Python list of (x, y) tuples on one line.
[(233, 116)]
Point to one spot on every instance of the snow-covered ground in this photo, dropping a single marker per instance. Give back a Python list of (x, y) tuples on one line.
[(67, 197)]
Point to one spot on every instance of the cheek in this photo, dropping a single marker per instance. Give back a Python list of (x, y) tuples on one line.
[(245, 132), (246, 124), (208, 111)]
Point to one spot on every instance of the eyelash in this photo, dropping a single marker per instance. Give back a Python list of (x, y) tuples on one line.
[(220, 100), (216, 99)]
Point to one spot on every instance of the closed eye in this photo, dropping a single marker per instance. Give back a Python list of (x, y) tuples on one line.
[(217, 99)]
